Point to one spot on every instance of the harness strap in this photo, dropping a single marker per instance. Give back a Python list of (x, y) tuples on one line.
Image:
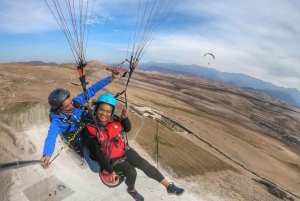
[(109, 149), (121, 160), (132, 65), (69, 141), (114, 140), (68, 119)]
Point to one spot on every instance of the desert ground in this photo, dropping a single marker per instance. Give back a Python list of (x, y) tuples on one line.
[(219, 142)]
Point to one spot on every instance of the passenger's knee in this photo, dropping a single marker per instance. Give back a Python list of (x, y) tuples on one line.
[(131, 173)]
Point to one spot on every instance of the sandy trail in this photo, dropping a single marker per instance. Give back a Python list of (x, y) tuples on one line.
[(85, 184)]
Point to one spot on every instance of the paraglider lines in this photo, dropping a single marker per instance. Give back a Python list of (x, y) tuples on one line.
[(76, 38), (145, 32), (155, 14)]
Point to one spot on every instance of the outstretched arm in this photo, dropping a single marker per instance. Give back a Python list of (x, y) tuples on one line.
[(50, 143), (91, 91)]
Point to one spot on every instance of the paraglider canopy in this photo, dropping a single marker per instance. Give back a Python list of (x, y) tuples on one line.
[(210, 55), (213, 56)]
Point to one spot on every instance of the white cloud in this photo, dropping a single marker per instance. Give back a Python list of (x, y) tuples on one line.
[(257, 38), (100, 20), (30, 16), (25, 16)]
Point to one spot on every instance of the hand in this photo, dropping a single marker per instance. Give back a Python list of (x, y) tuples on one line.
[(115, 73), (46, 160), (113, 177), (125, 113)]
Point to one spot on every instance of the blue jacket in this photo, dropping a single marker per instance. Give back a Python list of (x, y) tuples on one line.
[(58, 126)]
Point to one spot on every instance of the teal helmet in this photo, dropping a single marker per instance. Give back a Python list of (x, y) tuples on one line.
[(108, 99)]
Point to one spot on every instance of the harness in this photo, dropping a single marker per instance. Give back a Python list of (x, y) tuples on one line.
[(72, 139), (68, 119), (107, 145), (123, 158)]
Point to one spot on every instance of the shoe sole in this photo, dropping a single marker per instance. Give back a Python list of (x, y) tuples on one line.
[(133, 197), (177, 194)]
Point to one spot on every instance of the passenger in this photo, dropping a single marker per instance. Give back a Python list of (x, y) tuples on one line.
[(66, 114), (106, 144)]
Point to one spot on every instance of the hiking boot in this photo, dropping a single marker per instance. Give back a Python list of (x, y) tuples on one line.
[(172, 189), (136, 196)]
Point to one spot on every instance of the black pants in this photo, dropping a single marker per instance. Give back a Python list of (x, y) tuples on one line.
[(94, 148), (134, 160)]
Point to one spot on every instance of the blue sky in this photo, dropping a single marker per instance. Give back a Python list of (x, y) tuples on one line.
[(259, 38)]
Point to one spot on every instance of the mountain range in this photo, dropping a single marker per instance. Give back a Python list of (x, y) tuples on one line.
[(246, 82), (289, 95), (35, 63)]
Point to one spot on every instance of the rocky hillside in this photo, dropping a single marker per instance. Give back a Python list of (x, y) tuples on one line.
[(23, 114), (13, 146)]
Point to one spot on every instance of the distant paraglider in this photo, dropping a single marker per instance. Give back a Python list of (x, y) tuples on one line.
[(213, 56), (210, 55)]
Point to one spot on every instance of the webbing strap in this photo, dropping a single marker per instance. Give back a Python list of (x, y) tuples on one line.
[(82, 71), (69, 141), (132, 65), (121, 160)]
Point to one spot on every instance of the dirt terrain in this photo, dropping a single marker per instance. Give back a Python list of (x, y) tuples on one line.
[(220, 140)]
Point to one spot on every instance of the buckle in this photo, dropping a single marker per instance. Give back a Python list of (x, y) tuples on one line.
[(65, 119), (121, 160)]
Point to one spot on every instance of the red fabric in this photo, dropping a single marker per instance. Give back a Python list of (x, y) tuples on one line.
[(112, 130), (105, 177)]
